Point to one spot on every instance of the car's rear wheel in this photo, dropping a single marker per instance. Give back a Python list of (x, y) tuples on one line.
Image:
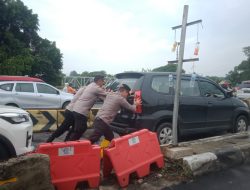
[(4, 154), (165, 133), (241, 124)]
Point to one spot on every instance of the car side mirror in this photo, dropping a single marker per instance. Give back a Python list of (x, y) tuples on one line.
[(57, 92)]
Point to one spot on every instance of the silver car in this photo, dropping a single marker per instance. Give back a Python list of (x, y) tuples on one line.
[(243, 91), (28, 94)]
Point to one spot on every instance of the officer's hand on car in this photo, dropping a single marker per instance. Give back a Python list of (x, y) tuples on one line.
[(137, 102)]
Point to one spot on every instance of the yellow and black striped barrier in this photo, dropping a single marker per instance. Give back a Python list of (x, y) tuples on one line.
[(49, 120)]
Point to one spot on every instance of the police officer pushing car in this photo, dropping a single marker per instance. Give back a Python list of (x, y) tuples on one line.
[(112, 104)]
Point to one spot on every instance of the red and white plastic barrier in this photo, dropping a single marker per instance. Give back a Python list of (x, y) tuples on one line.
[(132, 153)]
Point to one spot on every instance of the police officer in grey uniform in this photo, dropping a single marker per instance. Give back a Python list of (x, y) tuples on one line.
[(69, 119), (112, 104), (83, 105)]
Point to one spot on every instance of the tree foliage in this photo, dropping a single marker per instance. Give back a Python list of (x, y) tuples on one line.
[(246, 51), (94, 73), (170, 67), (73, 74), (22, 50), (242, 71)]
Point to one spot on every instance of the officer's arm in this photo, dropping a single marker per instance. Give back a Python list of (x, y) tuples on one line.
[(124, 103), (101, 93)]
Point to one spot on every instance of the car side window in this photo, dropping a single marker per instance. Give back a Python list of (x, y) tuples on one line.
[(7, 86), (24, 87), (209, 89), (188, 89), (160, 84), (45, 89)]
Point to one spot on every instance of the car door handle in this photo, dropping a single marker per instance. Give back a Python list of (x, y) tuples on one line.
[(41, 95)]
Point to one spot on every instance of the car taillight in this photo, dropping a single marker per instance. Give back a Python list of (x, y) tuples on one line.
[(137, 96)]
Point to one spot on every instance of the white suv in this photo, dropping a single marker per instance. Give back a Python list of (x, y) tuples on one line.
[(32, 94), (15, 132)]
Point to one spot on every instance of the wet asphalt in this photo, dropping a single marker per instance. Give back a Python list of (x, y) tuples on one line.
[(237, 178)]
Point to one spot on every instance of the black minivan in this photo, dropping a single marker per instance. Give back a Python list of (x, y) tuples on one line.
[(204, 105)]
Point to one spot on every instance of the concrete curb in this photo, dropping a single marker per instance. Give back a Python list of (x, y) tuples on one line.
[(200, 163), (215, 138), (219, 159)]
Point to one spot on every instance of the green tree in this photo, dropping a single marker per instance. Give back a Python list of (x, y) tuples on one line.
[(18, 28), (242, 71), (22, 51), (246, 50), (170, 67), (93, 73), (73, 74), (48, 61), (85, 74)]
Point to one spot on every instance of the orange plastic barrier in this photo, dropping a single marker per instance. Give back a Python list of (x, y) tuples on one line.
[(72, 162), (132, 153)]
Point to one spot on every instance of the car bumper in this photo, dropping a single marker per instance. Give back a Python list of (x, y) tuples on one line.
[(25, 150), (21, 137), (26, 140)]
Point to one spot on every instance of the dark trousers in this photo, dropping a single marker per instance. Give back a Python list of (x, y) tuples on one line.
[(66, 124), (101, 129), (80, 126)]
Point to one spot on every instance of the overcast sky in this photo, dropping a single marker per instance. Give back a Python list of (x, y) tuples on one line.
[(128, 35)]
